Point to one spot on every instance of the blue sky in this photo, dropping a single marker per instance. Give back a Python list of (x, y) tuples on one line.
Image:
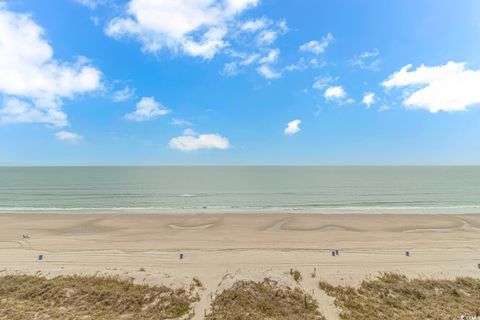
[(87, 82)]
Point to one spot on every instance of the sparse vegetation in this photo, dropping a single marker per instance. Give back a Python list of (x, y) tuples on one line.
[(394, 296), (197, 282), (86, 297), (297, 276), (248, 300)]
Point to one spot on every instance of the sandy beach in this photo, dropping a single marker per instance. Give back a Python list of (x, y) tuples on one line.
[(221, 248)]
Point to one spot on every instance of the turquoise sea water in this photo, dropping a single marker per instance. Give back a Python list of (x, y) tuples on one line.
[(241, 189)]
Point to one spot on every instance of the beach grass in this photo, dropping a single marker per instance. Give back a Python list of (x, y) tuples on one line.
[(248, 300), (89, 297), (394, 296), (297, 276)]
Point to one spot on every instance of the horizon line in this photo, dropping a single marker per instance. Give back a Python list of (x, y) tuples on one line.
[(230, 165)]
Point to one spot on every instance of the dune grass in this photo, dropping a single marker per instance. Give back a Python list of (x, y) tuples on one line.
[(297, 276), (393, 296), (89, 297), (248, 300)]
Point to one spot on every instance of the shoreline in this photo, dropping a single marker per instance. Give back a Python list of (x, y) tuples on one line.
[(270, 211)]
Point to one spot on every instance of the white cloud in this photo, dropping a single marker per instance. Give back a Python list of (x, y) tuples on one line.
[(33, 82), (317, 47), (272, 57), (191, 141), (67, 136), (449, 87), (367, 60), (316, 63), (268, 73), (124, 94), (243, 60), (146, 109), (180, 122), (335, 93), (234, 67), (255, 25), (348, 101), (18, 111), (303, 64), (298, 66), (293, 127), (249, 59), (196, 28), (92, 4), (322, 82), (230, 69), (368, 99), (267, 37), (253, 47), (282, 26)]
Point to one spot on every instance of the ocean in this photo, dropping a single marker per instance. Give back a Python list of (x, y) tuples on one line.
[(242, 189)]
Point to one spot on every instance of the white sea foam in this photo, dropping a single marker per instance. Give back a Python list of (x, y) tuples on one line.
[(250, 209)]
